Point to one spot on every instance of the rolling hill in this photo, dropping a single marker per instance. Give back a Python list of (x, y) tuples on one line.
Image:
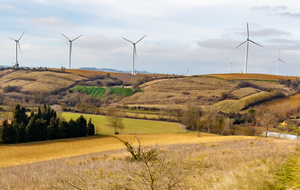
[(226, 91)]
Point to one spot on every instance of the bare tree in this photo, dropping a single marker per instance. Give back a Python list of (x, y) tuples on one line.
[(114, 119), (266, 118), (209, 118), (192, 117)]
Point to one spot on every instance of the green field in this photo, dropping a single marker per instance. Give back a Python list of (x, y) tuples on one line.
[(101, 92), (131, 125)]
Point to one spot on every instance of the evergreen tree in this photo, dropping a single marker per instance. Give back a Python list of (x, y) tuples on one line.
[(65, 129), (91, 128), (73, 128), (9, 133), (31, 128), (41, 126), (22, 134), (53, 129), (82, 130)]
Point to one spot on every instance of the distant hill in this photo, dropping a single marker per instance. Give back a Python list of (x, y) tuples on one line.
[(109, 70)]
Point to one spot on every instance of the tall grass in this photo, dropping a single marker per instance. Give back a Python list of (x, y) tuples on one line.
[(249, 164)]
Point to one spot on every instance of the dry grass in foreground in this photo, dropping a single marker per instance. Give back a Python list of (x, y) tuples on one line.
[(249, 164), (18, 154)]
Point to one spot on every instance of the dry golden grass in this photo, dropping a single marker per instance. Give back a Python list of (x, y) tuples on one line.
[(228, 165), (181, 91), (242, 92), (291, 102), (26, 153), (233, 76), (37, 81)]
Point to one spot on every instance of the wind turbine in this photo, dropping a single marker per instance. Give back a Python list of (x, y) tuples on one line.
[(278, 63), (17, 44), (230, 63), (247, 48), (134, 51), (71, 47)]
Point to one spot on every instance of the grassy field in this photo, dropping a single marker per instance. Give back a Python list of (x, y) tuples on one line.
[(101, 91), (227, 106), (131, 125), (26, 153)]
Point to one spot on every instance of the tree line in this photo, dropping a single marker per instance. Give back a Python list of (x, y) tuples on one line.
[(43, 125)]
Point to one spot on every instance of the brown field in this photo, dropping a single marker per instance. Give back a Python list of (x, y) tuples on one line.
[(234, 76), (37, 81), (12, 155), (181, 91)]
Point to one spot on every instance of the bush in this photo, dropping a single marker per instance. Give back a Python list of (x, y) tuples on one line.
[(8, 89)]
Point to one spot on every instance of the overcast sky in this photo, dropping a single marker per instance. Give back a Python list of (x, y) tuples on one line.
[(194, 35)]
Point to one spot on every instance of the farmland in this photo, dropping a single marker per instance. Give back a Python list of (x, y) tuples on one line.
[(25, 153), (101, 92), (131, 125)]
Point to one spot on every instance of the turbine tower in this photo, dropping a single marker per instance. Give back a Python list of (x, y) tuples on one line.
[(278, 63), (71, 47), (230, 63), (17, 44), (134, 51), (247, 48)]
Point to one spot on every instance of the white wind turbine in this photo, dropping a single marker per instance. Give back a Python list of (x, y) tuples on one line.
[(247, 48), (278, 63), (17, 44), (230, 63), (134, 51), (71, 47)]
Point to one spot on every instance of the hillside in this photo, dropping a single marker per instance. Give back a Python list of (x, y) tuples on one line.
[(229, 92), (204, 90)]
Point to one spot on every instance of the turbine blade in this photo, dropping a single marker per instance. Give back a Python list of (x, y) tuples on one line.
[(227, 58), (128, 40), (21, 36), (12, 38), (77, 37), (282, 61), (247, 31), (241, 44), (141, 39), (256, 43), (65, 36), (134, 49), (19, 46)]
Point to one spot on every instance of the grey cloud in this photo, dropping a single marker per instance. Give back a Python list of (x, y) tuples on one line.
[(265, 32), (288, 14), (218, 44), (269, 8), (50, 21), (281, 41)]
